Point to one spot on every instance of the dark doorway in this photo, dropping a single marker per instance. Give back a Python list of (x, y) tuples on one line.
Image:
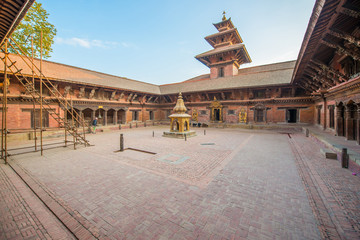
[(121, 117), (331, 116), (217, 114), (292, 115), (259, 115)]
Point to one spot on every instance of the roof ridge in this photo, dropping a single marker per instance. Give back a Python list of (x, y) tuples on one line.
[(89, 70)]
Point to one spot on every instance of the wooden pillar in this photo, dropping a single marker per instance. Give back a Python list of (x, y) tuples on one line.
[(93, 115), (115, 117), (349, 124), (80, 115), (105, 117), (358, 124), (339, 121), (325, 113)]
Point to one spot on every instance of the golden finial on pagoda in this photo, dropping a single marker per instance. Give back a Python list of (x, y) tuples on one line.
[(180, 106), (224, 18)]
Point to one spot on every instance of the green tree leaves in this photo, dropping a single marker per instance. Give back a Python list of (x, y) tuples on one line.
[(33, 23)]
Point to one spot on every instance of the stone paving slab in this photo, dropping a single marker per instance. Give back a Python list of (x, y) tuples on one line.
[(253, 192)]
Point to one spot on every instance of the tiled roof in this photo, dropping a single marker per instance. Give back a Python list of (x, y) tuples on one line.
[(272, 74), (266, 75), (220, 50), (72, 74)]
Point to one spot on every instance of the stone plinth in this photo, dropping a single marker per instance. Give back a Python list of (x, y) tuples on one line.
[(179, 134)]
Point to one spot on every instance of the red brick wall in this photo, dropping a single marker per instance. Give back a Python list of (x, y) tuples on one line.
[(17, 118)]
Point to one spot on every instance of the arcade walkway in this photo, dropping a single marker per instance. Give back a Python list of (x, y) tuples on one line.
[(227, 184)]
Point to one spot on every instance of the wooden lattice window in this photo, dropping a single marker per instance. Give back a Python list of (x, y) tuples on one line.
[(36, 116)]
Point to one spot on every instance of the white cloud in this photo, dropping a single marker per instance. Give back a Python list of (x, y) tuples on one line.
[(128, 45), (86, 43)]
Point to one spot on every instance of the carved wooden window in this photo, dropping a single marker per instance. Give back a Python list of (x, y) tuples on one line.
[(45, 118), (221, 72), (203, 112), (231, 112), (135, 115), (259, 94)]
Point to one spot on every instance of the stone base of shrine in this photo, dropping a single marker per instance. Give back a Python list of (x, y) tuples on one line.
[(179, 134)]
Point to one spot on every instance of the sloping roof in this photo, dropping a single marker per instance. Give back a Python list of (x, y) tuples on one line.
[(221, 50), (266, 75), (310, 39), (72, 74), (232, 30), (11, 13)]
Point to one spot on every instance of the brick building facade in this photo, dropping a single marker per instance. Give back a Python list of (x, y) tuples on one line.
[(321, 87)]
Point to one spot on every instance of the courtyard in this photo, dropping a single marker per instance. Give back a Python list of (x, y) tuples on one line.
[(221, 184)]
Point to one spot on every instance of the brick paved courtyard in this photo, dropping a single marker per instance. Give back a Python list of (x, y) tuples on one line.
[(227, 184)]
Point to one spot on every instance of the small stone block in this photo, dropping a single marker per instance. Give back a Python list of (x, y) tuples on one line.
[(328, 153)]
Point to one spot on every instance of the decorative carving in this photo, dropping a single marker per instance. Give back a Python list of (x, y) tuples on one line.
[(82, 92), (121, 96), (143, 99), (67, 90), (207, 96), (129, 97), (251, 94), (223, 96), (350, 12), (112, 97), (341, 50), (242, 116), (340, 34), (329, 70), (150, 98), (194, 115), (216, 110), (92, 93), (267, 93)]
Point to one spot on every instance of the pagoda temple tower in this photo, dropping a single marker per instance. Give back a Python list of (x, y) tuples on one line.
[(229, 51)]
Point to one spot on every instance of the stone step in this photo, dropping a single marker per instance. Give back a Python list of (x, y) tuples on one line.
[(328, 153)]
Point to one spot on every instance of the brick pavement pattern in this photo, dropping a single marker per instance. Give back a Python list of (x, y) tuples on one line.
[(22, 215), (254, 191), (338, 191)]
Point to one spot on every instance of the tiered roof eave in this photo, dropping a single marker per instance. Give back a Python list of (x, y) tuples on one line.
[(227, 21), (211, 38), (243, 58)]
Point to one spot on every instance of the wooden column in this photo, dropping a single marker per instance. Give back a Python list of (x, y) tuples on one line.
[(358, 124), (339, 121), (325, 113), (115, 117), (105, 117), (349, 124), (93, 115)]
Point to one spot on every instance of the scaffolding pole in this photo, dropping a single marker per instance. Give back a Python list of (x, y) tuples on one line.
[(83, 124), (33, 82), (41, 99), (72, 122), (65, 122), (4, 120)]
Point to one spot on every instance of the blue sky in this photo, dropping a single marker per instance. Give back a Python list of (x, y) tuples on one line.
[(156, 41)]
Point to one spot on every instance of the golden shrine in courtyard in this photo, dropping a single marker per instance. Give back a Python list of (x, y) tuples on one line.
[(179, 121)]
